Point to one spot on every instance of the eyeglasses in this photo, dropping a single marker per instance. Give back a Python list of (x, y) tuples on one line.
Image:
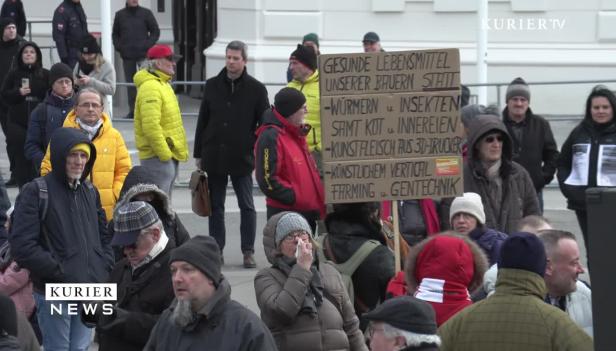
[(490, 139), (372, 330), (299, 234), (89, 105)]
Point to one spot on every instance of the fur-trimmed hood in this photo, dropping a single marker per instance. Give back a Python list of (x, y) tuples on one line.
[(160, 202)]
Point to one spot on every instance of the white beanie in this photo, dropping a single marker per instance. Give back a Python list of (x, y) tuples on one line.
[(289, 223), (468, 203)]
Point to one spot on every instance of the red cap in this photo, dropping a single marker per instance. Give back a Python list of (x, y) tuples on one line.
[(161, 51)]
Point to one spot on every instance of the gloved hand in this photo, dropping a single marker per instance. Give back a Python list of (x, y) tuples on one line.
[(119, 317)]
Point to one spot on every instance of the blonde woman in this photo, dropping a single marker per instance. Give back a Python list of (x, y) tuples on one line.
[(93, 70)]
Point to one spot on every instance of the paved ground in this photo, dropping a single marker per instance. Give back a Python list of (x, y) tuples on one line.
[(242, 279)]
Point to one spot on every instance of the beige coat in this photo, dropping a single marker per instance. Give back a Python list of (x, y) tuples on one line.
[(280, 298)]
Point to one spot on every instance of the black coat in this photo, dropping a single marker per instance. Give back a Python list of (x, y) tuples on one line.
[(144, 294), (222, 324), (80, 249), (135, 30), (537, 151), (8, 51), (374, 273), (15, 10), (69, 27), (228, 118), (586, 134), (20, 107)]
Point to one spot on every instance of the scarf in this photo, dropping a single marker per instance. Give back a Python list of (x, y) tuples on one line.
[(314, 293), (85, 67), (155, 251), (91, 130)]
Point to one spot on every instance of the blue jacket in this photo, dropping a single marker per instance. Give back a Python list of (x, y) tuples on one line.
[(80, 249), (45, 118), (490, 241)]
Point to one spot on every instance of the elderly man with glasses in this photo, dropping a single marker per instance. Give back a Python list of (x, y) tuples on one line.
[(143, 279), (113, 162), (506, 189)]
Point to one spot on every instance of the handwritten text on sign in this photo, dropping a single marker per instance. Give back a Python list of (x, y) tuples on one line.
[(390, 126), (393, 179), (406, 71)]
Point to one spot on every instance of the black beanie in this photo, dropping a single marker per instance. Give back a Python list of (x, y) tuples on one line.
[(5, 21), (89, 45), (523, 251), (8, 316), (60, 70), (203, 253), (306, 56), (518, 87), (288, 101)]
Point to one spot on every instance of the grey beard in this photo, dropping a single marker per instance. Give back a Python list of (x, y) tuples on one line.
[(182, 313)]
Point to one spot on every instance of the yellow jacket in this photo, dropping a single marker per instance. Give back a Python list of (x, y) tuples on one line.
[(112, 162), (310, 89), (159, 131)]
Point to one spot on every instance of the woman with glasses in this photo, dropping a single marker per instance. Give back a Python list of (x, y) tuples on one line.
[(92, 70), (303, 302), (23, 89), (506, 189), (588, 156), (112, 159)]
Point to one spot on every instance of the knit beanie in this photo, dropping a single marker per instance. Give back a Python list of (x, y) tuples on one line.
[(313, 37), (407, 313), (8, 315), (5, 21), (306, 56), (60, 70), (518, 87), (468, 203), (289, 223), (523, 251), (288, 101), (89, 45), (82, 147), (203, 253)]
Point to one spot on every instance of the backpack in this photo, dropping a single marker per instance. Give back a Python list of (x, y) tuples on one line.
[(347, 268)]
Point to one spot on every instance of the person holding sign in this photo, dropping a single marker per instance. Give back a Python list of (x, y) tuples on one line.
[(303, 65), (507, 191), (588, 156), (284, 169)]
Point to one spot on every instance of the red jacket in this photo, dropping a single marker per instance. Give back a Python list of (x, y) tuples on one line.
[(284, 168)]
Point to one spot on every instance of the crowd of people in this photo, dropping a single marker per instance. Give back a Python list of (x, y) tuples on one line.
[(475, 267)]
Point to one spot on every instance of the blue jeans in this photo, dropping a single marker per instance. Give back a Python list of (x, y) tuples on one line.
[(61, 332), (248, 216)]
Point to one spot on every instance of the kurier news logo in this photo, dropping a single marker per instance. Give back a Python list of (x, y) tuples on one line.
[(70, 297)]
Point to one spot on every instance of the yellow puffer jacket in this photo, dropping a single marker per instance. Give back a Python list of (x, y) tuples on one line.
[(159, 131), (112, 162), (310, 89)]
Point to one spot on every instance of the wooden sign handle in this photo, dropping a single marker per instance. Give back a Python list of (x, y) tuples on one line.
[(394, 210)]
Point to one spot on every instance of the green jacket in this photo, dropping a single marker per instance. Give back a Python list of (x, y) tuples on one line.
[(514, 318), (310, 89), (159, 131)]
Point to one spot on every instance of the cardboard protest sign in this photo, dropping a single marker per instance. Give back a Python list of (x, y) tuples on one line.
[(391, 120)]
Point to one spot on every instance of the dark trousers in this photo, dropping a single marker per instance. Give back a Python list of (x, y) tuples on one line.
[(540, 199), (4, 120), (311, 216), (582, 217), (242, 185), (130, 68), (23, 169)]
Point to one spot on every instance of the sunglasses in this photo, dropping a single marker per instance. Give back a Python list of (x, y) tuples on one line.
[(490, 139)]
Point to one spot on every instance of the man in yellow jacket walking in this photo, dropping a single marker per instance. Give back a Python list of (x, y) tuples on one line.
[(159, 131)]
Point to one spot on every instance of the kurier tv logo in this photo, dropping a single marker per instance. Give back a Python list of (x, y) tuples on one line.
[(80, 293)]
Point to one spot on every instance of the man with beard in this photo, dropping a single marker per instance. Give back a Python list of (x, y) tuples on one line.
[(203, 312)]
